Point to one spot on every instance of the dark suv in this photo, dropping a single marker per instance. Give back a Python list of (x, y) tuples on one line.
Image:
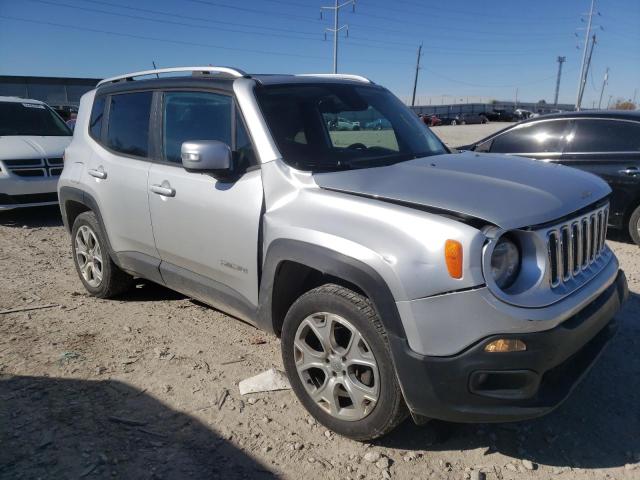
[(604, 143)]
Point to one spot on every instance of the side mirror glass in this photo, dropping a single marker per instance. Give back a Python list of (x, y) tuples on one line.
[(207, 156)]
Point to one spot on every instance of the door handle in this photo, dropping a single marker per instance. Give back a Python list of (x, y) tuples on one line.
[(98, 173), (164, 190), (632, 171)]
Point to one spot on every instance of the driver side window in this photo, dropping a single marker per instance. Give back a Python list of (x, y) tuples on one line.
[(194, 116)]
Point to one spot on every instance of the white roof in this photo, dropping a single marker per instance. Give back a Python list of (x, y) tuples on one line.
[(20, 100)]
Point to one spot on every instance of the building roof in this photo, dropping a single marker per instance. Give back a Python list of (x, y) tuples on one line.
[(19, 100)]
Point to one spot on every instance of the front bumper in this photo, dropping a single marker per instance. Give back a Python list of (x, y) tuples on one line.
[(16, 192), (476, 386)]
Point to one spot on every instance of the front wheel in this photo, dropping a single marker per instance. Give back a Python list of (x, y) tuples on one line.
[(336, 354), (454, 123), (634, 225)]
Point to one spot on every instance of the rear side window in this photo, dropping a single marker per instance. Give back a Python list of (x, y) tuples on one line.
[(539, 137), (194, 116), (128, 129), (605, 136), (97, 114)]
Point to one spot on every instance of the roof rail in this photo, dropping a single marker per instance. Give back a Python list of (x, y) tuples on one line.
[(232, 72), (344, 76)]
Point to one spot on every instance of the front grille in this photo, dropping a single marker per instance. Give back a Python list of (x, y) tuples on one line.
[(29, 198), (574, 246), (35, 167), (29, 172)]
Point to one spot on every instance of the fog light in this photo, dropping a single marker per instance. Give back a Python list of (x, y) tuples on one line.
[(506, 345)]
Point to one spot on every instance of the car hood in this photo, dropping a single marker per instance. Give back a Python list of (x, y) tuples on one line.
[(507, 191), (31, 146)]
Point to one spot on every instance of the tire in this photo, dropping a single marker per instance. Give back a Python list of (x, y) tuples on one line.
[(634, 225), (454, 123), (100, 276), (352, 333)]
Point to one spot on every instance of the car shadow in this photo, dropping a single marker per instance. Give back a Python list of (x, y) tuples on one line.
[(32, 217), (597, 427), (69, 428), (147, 291)]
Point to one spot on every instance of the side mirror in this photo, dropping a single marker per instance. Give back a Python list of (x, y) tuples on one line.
[(207, 156)]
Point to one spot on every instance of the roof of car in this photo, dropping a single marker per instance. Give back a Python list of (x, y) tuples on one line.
[(201, 78), (618, 114), (20, 100)]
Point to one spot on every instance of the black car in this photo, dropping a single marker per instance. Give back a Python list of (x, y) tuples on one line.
[(500, 115), (465, 118), (606, 143)]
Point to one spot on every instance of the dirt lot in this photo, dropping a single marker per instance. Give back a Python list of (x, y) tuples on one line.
[(146, 386)]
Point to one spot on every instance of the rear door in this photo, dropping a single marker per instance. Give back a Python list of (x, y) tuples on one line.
[(609, 148), (207, 229), (117, 175)]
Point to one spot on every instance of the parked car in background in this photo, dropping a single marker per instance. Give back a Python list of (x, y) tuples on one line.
[(606, 144), (32, 142), (378, 124), (342, 124), (521, 114), (67, 112), (500, 115), (401, 278), (71, 124), (465, 119)]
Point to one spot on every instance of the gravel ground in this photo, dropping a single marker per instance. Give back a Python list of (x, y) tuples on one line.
[(146, 387)]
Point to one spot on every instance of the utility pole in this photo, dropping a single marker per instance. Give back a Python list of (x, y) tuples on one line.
[(609, 102), (586, 72), (561, 60), (584, 56), (635, 94), (604, 83), (415, 79), (335, 30)]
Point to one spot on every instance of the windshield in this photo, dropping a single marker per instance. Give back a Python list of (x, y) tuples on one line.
[(321, 127), (17, 118)]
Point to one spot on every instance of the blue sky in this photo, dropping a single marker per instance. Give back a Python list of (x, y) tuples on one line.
[(476, 49)]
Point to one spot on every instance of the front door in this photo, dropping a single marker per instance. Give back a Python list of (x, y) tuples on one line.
[(206, 229)]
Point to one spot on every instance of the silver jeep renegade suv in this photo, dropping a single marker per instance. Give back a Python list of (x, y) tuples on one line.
[(400, 277)]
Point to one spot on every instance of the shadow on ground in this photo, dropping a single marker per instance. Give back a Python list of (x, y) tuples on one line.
[(33, 217), (58, 428), (597, 427)]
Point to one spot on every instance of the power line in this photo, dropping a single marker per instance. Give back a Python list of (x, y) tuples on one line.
[(604, 83), (157, 39), (415, 80), (584, 56), (586, 73), (561, 60), (336, 29)]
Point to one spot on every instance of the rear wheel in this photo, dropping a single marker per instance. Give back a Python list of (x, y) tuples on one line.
[(100, 276), (634, 225), (336, 354), (454, 123)]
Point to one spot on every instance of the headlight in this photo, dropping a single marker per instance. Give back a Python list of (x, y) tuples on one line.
[(505, 263)]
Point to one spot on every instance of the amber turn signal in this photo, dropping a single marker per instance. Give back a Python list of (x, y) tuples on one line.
[(506, 345), (453, 257)]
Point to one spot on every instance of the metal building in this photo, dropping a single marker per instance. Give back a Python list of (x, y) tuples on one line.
[(51, 90)]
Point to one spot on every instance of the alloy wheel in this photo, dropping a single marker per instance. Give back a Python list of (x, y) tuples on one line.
[(336, 366), (89, 256)]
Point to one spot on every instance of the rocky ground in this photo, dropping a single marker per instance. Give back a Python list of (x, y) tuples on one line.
[(146, 386)]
